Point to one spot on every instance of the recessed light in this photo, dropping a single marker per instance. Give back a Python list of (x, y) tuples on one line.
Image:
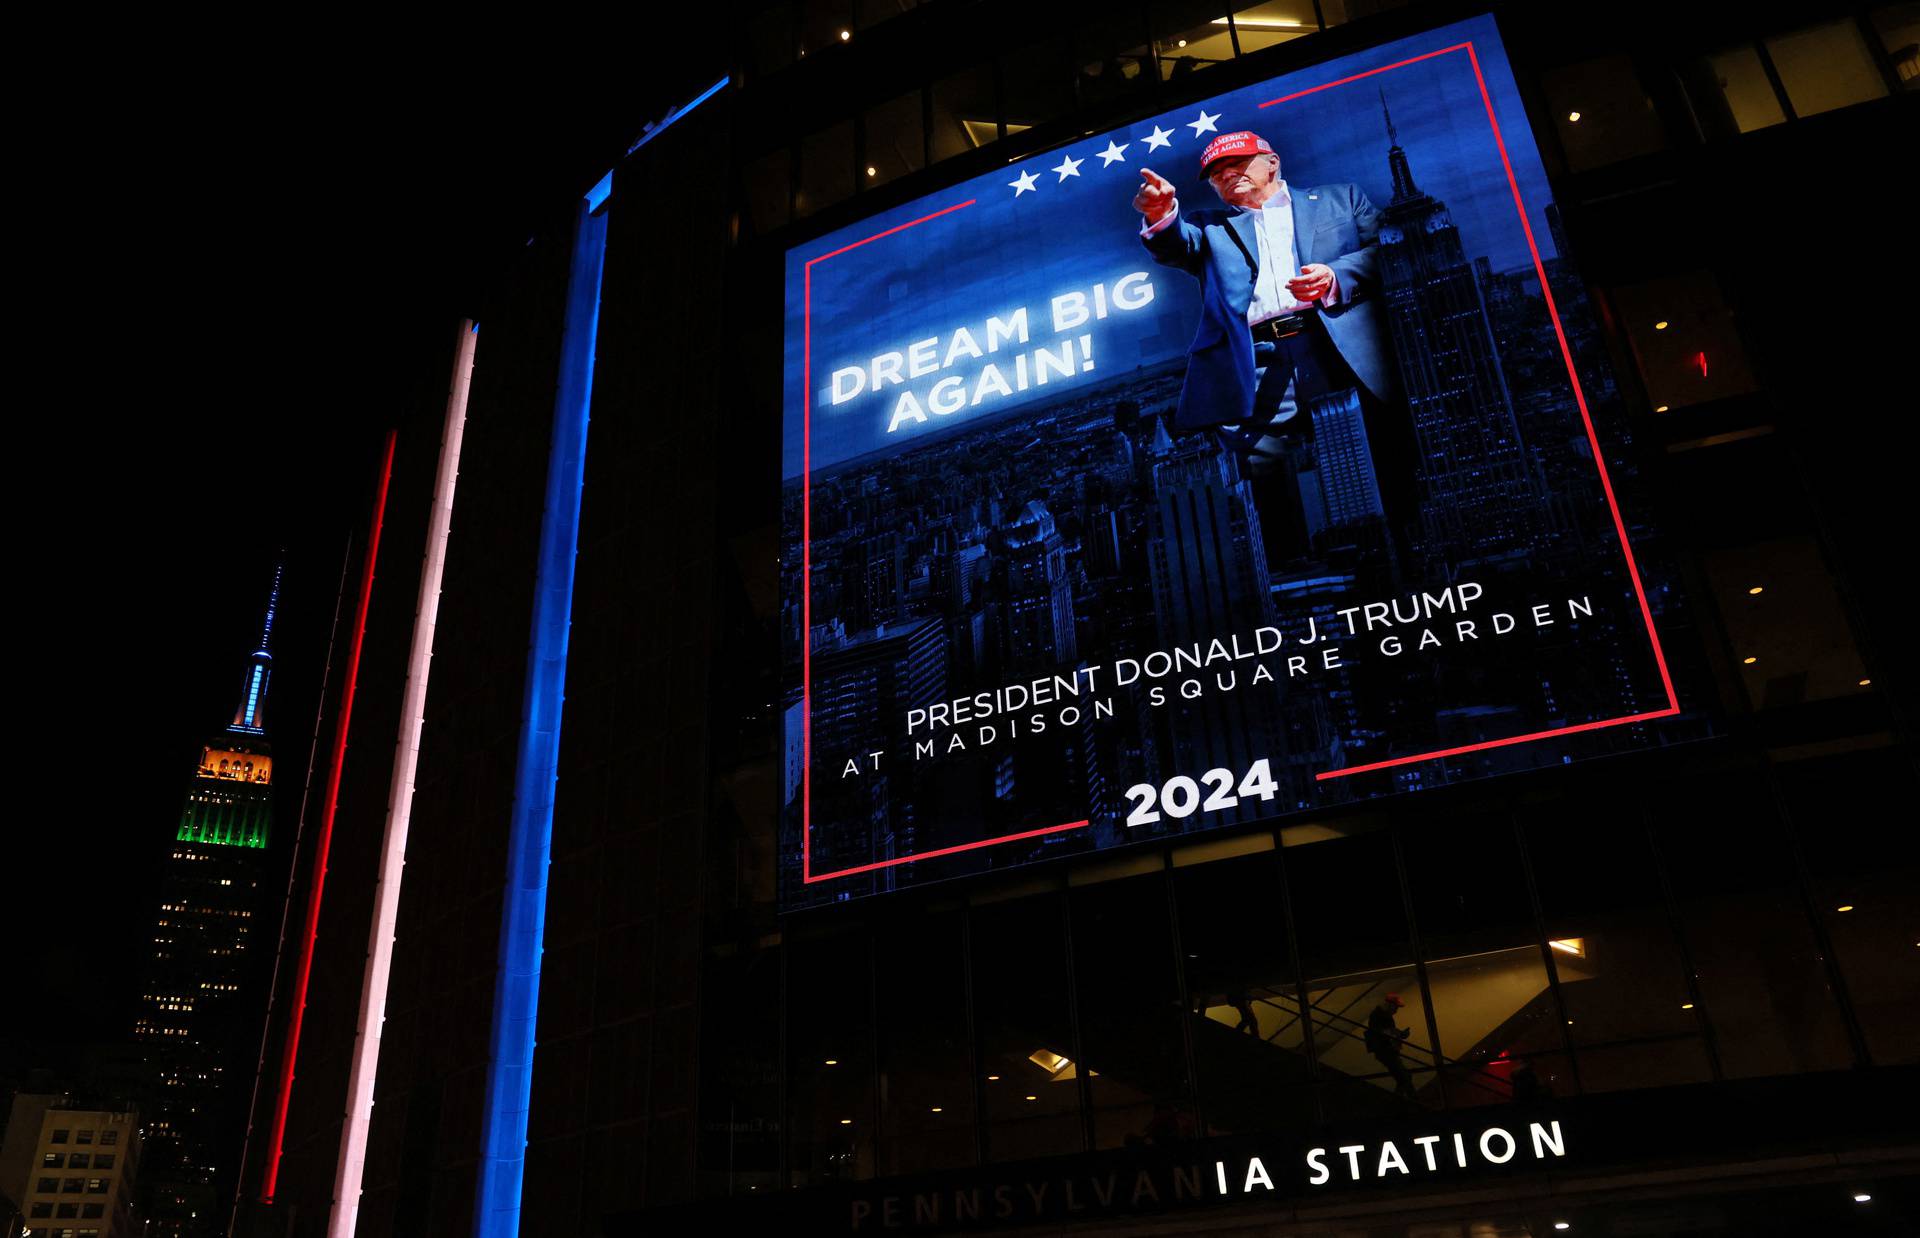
[(936, 1109), (993, 1078), (1563, 1224), (873, 171), (832, 1061), (1748, 661), (1183, 43), (1757, 590), (1861, 1197), (1844, 907), (1865, 682), (846, 1121), (1661, 325), (845, 35), (1575, 118), (1033, 1098), (1686, 1005), (1661, 409)]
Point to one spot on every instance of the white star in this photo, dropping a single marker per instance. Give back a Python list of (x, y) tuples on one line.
[(1024, 184), (1204, 124), (1068, 167), (1113, 154), (1159, 137)]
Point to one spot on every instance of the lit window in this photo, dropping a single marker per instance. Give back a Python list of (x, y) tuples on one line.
[(1826, 67)]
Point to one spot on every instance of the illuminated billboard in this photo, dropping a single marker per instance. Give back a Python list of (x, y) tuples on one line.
[(1254, 458)]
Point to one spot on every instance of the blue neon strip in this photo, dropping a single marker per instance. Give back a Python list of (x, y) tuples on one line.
[(654, 131), (516, 994), (253, 696)]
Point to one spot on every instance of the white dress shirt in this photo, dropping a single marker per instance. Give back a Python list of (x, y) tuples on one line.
[(1278, 256)]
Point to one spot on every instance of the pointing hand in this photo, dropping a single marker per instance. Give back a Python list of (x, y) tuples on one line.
[(1155, 198)]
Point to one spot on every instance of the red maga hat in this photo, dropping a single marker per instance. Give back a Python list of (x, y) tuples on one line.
[(1232, 146)]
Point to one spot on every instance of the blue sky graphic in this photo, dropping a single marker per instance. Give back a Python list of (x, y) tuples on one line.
[(1010, 250)]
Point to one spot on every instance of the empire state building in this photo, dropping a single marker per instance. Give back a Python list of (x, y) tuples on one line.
[(197, 1008)]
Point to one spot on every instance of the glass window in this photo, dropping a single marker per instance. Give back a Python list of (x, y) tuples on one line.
[(1190, 36), (1760, 973), (1131, 1020), (1785, 624), (73, 1186), (1369, 1017), (1623, 984), (1111, 55), (831, 1111), (1272, 22), (109, 1138), (770, 38), (1684, 340), (1249, 1040), (1898, 26), (103, 1160), (964, 114), (926, 1076), (96, 1186), (873, 12), (92, 1210), (1865, 866), (40, 1211), (61, 1136), (1026, 1029), (77, 1161), (64, 1211), (1602, 112), (769, 188), (1338, 12), (896, 140), (1037, 81), (85, 1136), (824, 24), (1738, 96), (1826, 67), (53, 1160), (48, 1186), (826, 168)]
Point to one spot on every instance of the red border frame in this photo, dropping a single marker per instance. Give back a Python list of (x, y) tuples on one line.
[(1579, 395)]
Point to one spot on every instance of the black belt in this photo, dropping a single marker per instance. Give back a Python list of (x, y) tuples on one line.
[(1277, 329)]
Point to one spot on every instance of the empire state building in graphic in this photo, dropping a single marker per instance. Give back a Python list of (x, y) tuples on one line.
[(1478, 495), (197, 998)]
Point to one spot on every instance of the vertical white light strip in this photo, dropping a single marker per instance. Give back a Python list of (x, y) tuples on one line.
[(350, 1168)]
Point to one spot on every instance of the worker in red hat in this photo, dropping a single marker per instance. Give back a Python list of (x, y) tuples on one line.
[(1289, 316), (1384, 1038)]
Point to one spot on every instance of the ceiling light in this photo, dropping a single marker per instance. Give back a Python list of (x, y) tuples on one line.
[(1861, 1197), (936, 1109), (1033, 1098), (1563, 1224), (846, 1121), (1661, 409), (1844, 907), (1748, 661), (1756, 591), (1049, 1061), (873, 171), (845, 35), (1181, 43), (1661, 325), (993, 1078), (832, 1061), (1262, 23), (1574, 117), (1576, 946), (1865, 682), (1686, 1005)]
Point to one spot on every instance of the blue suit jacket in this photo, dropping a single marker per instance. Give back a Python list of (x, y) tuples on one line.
[(1332, 224)]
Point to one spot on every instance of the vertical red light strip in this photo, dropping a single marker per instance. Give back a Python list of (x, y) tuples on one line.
[(329, 804)]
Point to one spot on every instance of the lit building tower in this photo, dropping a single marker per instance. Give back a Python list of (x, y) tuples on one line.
[(1477, 493), (197, 1004)]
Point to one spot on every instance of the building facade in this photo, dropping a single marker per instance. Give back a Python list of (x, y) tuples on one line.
[(1671, 989), (72, 1168)]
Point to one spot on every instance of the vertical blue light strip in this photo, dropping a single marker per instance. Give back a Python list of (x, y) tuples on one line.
[(516, 995)]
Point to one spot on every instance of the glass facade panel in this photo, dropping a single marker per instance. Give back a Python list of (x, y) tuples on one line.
[(770, 39), (1785, 624), (896, 140), (1602, 112), (1037, 85), (1898, 26), (1684, 340), (873, 12), (964, 113), (826, 169), (1865, 869), (831, 1107), (769, 189), (1131, 1018), (1191, 36), (926, 1075), (1111, 56), (1826, 67), (824, 24), (1272, 22), (1759, 969), (1741, 88), (1025, 1019)]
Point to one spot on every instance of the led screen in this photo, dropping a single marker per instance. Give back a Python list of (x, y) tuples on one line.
[(1125, 497)]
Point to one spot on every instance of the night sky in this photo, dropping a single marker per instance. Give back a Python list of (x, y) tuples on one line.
[(240, 269)]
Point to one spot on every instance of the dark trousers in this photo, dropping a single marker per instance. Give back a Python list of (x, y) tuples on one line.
[(1292, 374)]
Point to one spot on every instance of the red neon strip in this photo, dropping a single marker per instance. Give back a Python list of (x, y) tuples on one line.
[(1495, 743), (940, 851), (329, 804)]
